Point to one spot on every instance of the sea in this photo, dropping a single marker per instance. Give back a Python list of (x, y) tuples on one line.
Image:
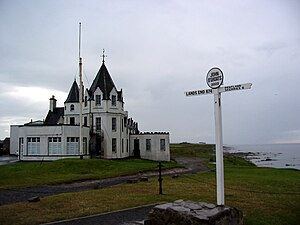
[(270, 155)]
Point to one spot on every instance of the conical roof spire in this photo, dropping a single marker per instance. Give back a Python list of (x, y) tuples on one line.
[(73, 93), (103, 80)]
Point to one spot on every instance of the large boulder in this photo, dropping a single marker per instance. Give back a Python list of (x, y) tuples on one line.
[(193, 213)]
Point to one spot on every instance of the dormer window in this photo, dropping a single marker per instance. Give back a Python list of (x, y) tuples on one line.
[(85, 101), (72, 107), (98, 100), (113, 100)]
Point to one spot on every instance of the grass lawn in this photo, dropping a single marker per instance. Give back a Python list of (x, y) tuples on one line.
[(265, 195), (27, 174)]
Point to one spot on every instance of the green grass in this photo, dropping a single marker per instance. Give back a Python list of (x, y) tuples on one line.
[(265, 195), (191, 150), (27, 174)]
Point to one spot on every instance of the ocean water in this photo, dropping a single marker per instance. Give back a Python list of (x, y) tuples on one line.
[(271, 155)]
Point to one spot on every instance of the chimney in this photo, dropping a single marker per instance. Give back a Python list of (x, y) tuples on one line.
[(52, 103)]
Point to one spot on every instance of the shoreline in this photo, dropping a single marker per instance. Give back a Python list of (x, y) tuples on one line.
[(271, 155)]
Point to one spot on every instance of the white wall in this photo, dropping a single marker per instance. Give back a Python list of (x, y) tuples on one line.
[(43, 132), (155, 153)]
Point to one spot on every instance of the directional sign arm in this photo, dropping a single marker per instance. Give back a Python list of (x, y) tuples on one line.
[(198, 92), (236, 87)]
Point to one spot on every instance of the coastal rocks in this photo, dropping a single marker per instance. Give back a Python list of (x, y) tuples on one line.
[(193, 213)]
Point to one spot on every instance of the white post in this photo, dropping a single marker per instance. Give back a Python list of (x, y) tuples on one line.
[(80, 114), (219, 148)]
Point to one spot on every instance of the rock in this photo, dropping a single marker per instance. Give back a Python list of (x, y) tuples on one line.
[(144, 179), (193, 213), (132, 181), (175, 176), (34, 199), (97, 186)]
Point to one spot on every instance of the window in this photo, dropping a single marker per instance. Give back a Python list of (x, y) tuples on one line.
[(98, 100), (114, 124), (33, 145), (72, 145), (98, 123), (148, 144), (72, 120), (85, 101), (127, 146), (84, 145), (54, 145), (21, 146), (114, 145), (122, 125), (162, 144), (72, 107), (122, 145), (113, 100), (85, 121)]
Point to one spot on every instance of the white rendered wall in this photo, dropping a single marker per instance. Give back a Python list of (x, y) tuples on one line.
[(44, 132), (155, 153)]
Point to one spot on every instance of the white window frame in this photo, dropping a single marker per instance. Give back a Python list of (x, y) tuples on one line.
[(114, 145), (98, 123), (72, 145), (54, 145), (33, 145), (148, 145), (162, 144), (114, 100), (98, 100), (114, 124)]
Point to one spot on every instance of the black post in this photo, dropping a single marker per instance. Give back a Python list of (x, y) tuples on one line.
[(160, 178)]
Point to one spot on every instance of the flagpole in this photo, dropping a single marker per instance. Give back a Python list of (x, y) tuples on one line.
[(80, 98)]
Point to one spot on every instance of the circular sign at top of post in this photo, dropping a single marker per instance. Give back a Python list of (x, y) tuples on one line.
[(214, 78)]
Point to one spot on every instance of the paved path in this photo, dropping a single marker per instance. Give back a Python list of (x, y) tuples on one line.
[(8, 196), (123, 217), (7, 159)]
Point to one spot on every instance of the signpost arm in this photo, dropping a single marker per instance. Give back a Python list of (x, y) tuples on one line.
[(219, 148)]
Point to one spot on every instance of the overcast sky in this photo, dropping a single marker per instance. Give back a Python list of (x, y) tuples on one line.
[(156, 51)]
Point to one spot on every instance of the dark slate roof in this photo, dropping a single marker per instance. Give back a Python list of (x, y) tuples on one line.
[(53, 117), (104, 81), (73, 93)]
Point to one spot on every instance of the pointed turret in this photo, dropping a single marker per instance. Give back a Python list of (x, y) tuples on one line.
[(104, 81), (73, 93)]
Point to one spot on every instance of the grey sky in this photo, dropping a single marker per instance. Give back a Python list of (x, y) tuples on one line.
[(156, 51)]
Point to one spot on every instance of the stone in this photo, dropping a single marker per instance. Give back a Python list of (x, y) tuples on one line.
[(144, 179), (132, 181), (34, 199), (183, 212), (97, 186)]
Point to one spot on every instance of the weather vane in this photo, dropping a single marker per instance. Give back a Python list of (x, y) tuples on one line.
[(103, 56)]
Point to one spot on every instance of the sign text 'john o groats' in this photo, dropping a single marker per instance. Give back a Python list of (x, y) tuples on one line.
[(214, 78)]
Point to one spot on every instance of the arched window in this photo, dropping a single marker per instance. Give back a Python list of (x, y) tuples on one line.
[(72, 107)]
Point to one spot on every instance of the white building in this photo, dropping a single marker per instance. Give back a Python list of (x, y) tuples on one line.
[(108, 132)]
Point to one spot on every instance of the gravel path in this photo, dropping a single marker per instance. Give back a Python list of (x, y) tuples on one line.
[(8, 196)]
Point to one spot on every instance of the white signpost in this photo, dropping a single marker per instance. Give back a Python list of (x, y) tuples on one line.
[(214, 80)]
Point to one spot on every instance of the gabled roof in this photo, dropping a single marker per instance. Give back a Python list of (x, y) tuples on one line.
[(104, 81), (53, 117), (73, 93)]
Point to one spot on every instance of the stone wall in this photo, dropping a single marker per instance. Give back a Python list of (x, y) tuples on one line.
[(193, 213)]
